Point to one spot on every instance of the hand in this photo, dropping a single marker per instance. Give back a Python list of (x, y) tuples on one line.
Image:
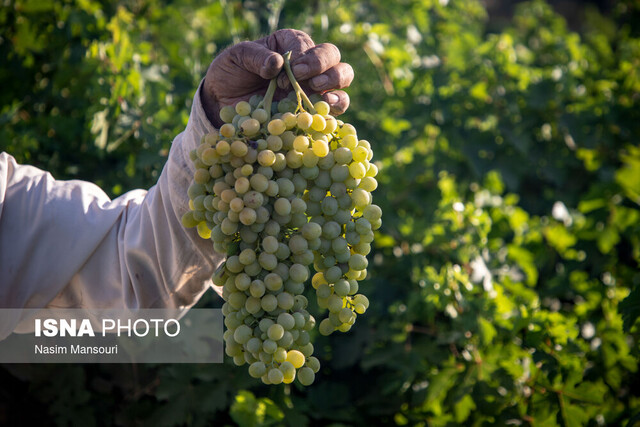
[(245, 69)]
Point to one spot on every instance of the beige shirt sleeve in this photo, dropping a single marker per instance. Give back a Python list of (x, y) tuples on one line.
[(66, 244)]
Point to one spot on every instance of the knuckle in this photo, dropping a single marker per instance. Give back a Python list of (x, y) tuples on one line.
[(239, 50), (333, 50), (346, 75)]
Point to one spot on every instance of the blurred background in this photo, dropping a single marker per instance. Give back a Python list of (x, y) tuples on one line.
[(504, 282)]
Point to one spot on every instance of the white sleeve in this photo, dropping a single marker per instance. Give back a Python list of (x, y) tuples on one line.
[(66, 244)]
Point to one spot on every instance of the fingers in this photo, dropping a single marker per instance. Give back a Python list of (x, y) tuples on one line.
[(338, 100), (286, 40), (312, 62), (256, 59), (315, 61), (337, 77)]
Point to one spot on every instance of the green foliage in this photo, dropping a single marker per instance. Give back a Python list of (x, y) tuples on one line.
[(505, 282)]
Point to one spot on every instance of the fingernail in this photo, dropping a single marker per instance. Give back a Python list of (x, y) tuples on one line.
[(332, 98), (300, 70), (269, 62), (320, 81)]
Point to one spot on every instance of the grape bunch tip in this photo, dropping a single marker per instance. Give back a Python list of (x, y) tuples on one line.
[(279, 187)]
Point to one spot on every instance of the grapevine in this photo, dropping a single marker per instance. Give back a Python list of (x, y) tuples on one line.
[(280, 187)]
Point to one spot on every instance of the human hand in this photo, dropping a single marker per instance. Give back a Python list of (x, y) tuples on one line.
[(245, 69)]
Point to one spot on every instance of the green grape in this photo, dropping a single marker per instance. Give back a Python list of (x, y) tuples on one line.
[(282, 206), (331, 230), (342, 287), (362, 248), (335, 303), (290, 119), (270, 244), (243, 108), (309, 160), (333, 274), (360, 197), (311, 231), (266, 158), (286, 320), (275, 332), (283, 252), (322, 108), (318, 123), (285, 300), (339, 173), (276, 127), (327, 162), (269, 302), (239, 148), (252, 199), (298, 244), (285, 187), (345, 315), (313, 363), (250, 127), (227, 114), (265, 323), (242, 282), (227, 130), (260, 115), (247, 256), (280, 355), (252, 305), (275, 376), (357, 170), (304, 258), (257, 289), (319, 147), (323, 290), (188, 221), (330, 126), (299, 206), (301, 143), (236, 204), (296, 358), (306, 376), (368, 184), (242, 334), (273, 282), (268, 261), (304, 120), (372, 171), (259, 183), (329, 206), (274, 143), (247, 216), (372, 212), (299, 320), (299, 273), (353, 287), (286, 340), (326, 327), (288, 372), (257, 369)]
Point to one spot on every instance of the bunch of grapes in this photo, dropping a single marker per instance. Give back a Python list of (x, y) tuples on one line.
[(277, 189)]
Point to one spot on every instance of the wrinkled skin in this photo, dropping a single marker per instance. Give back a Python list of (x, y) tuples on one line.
[(245, 69)]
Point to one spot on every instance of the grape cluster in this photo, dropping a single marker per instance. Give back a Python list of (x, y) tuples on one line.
[(277, 194)]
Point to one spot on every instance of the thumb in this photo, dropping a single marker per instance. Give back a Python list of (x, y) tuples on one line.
[(257, 59)]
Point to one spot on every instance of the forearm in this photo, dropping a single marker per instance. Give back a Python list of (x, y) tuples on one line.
[(65, 244)]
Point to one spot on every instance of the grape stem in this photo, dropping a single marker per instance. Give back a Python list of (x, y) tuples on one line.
[(268, 98), (302, 97)]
